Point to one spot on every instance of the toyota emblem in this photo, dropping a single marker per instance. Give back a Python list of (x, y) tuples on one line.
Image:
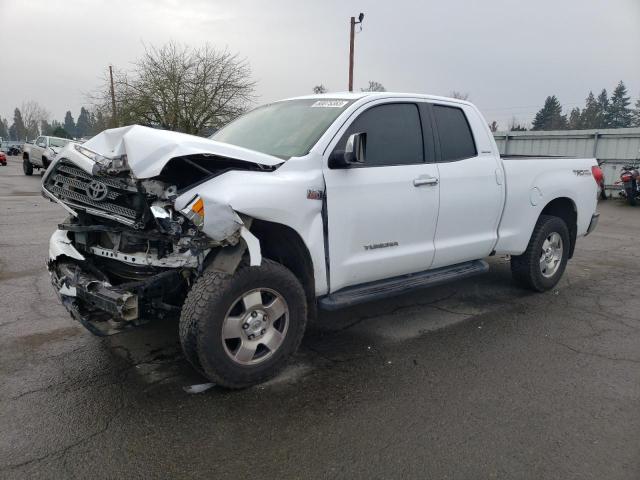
[(97, 190)]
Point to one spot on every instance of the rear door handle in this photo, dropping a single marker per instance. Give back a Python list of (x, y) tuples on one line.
[(418, 182)]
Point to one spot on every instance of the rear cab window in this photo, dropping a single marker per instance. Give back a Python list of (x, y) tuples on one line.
[(454, 133)]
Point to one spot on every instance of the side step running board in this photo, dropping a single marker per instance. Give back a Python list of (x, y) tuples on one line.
[(398, 285)]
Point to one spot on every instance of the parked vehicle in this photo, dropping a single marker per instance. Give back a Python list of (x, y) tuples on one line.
[(11, 147), (3, 159), (323, 201), (41, 153), (15, 150), (630, 183)]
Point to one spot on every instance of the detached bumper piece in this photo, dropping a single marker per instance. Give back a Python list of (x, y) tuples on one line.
[(105, 309)]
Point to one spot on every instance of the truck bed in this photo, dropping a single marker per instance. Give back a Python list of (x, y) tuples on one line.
[(531, 183)]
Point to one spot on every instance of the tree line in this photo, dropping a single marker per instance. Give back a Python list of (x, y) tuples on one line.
[(598, 112), (31, 120)]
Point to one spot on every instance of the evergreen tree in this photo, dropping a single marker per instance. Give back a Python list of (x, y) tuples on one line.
[(635, 115), (589, 115), (19, 129), (550, 117), (4, 129), (619, 113), (516, 126), (45, 128), (69, 124), (83, 125), (60, 132), (99, 123), (575, 120), (602, 120)]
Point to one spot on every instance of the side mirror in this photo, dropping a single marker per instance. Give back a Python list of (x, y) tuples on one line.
[(353, 154)]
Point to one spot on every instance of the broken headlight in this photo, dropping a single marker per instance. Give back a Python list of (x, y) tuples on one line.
[(194, 211), (115, 163), (165, 220)]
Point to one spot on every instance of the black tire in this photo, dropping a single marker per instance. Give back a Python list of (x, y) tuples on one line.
[(631, 198), (526, 269), (203, 315), (27, 167)]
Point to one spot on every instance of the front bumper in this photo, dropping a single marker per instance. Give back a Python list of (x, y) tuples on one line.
[(593, 224), (102, 307)]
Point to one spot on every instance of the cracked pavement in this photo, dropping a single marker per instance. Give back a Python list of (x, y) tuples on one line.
[(477, 379)]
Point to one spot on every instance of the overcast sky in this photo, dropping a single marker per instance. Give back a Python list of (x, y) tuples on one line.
[(507, 54)]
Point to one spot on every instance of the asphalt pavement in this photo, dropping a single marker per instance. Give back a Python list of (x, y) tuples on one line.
[(474, 380)]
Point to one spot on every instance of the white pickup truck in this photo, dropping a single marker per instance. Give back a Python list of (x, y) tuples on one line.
[(322, 201), (41, 153)]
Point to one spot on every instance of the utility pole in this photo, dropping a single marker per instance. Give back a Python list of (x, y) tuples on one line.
[(351, 45), (113, 99)]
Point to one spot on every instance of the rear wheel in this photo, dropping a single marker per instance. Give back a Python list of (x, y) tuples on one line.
[(240, 329), (631, 197), (27, 167), (541, 266)]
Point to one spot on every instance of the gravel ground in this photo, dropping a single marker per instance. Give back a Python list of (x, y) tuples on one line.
[(478, 379)]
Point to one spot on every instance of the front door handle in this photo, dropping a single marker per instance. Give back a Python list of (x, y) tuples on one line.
[(417, 182)]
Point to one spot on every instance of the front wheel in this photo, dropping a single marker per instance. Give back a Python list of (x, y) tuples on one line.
[(542, 264), (27, 167), (240, 330)]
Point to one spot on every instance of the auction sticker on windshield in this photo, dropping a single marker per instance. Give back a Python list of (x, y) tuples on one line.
[(330, 103)]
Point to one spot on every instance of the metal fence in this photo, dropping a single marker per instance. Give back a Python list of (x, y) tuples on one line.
[(612, 147)]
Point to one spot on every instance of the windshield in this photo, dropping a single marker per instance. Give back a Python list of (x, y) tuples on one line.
[(283, 129), (58, 142)]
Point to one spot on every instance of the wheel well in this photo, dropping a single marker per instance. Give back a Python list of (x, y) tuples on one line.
[(283, 244), (565, 209)]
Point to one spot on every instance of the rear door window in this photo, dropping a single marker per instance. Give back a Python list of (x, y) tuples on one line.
[(454, 132)]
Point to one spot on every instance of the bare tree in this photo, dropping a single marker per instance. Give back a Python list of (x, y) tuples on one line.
[(33, 114), (191, 90), (493, 126), (459, 95), (374, 87)]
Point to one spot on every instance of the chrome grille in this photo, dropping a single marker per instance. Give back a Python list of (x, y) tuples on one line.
[(73, 187)]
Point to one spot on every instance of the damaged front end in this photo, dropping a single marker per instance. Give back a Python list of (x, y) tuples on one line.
[(132, 247), (110, 290)]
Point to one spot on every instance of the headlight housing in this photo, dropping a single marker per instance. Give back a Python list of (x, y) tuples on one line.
[(194, 211), (115, 163)]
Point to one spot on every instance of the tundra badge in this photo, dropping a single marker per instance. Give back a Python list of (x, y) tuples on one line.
[(373, 246)]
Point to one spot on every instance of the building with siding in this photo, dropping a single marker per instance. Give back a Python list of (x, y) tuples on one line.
[(612, 148)]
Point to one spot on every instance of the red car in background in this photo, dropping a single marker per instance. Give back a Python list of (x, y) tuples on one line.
[(3, 159)]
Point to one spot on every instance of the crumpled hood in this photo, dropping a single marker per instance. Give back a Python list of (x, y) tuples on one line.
[(148, 149)]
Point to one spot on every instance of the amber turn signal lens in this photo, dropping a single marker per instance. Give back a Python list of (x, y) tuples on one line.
[(198, 207)]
